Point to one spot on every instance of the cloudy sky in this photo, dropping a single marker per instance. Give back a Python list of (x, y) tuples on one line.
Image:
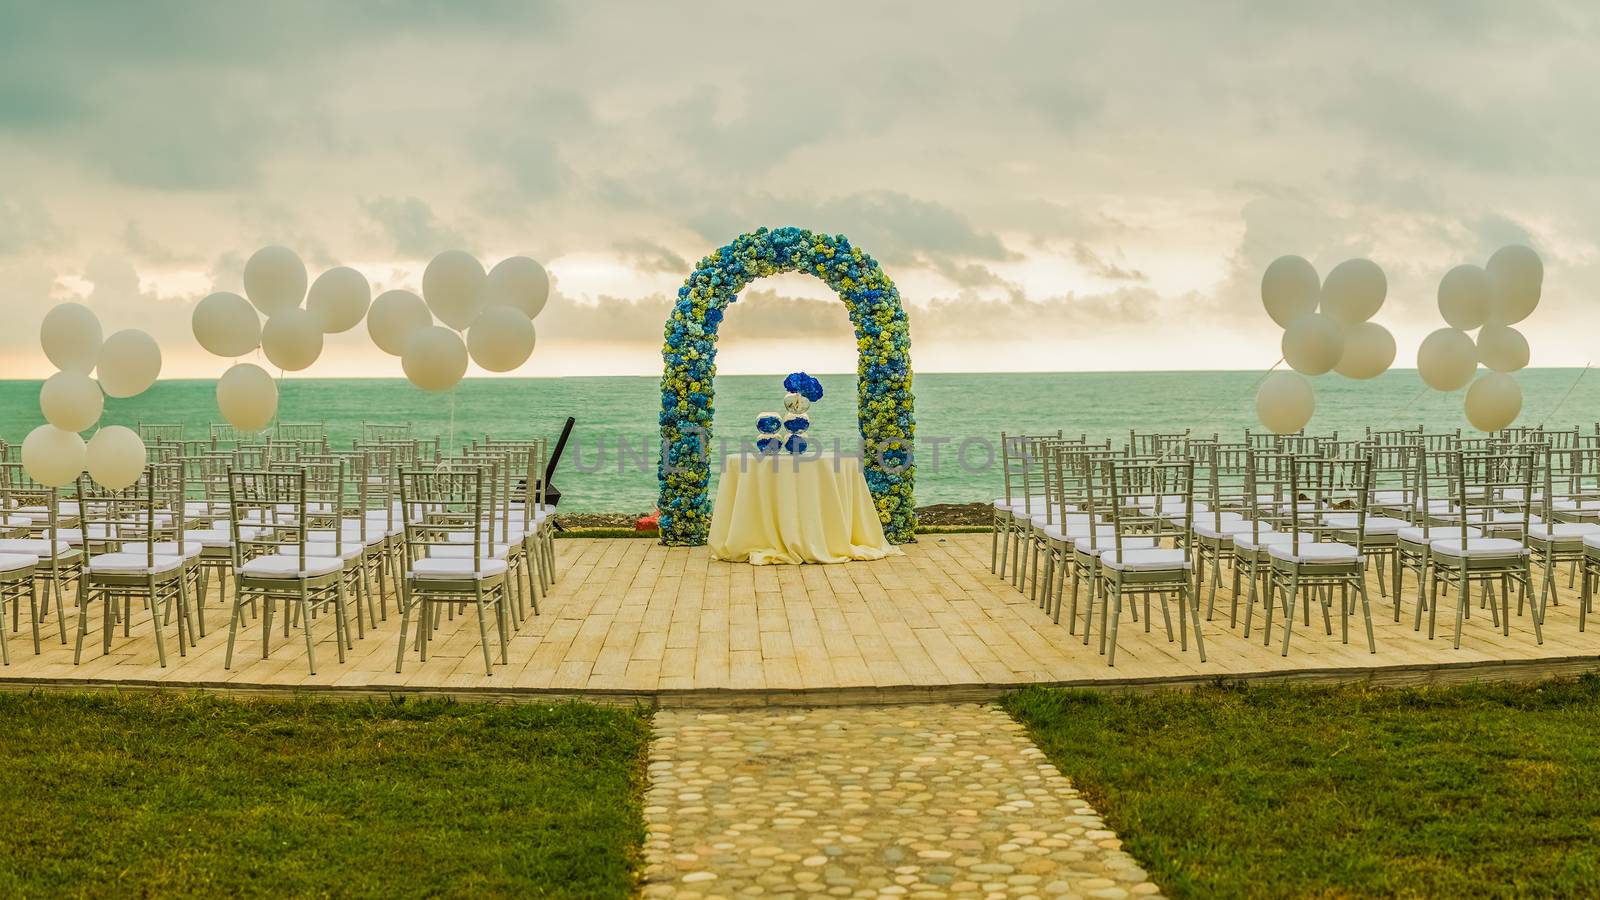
[(1053, 186)]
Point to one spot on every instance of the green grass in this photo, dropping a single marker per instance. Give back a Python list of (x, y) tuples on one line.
[(166, 795), (1480, 790)]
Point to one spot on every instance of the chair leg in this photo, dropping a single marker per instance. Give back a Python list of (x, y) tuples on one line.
[(233, 625), (305, 625), (483, 631), (156, 610), (1462, 602), (1193, 605), (33, 609), (1116, 616), (403, 608), (1288, 620)]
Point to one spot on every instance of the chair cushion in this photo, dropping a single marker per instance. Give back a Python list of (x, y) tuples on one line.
[(323, 551), (1250, 543), (1210, 529), (1314, 552), (1567, 504), (1105, 542), (439, 567), (1591, 541), (36, 547), (191, 548), (1374, 524), (1145, 561), (287, 567), (464, 551), (1570, 533), (1414, 534), (1479, 547), (14, 562), (132, 564)]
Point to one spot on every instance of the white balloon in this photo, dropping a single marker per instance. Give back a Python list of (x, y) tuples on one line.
[(1285, 402), (1313, 344), (521, 282), (226, 325), (339, 299), (1354, 291), (71, 401), (71, 337), (394, 318), (1464, 297), (1368, 351), (435, 359), (115, 457), (1493, 401), (455, 288), (1447, 359), (1289, 289), (501, 339), (52, 456), (275, 280), (292, 339), (1502, 348), (1516, 279), (247, 397), (130, 361)]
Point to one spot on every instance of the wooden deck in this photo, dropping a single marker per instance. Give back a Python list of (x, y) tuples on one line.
[(632, 621)]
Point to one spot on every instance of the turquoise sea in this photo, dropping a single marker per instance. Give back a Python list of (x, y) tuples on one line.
[(951, 409)]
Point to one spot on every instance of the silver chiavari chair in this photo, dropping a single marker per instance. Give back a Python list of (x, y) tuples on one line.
[(1147, 571), (1319, 557), (130, 568), (1491, 490), (279, 564), (443, 511)]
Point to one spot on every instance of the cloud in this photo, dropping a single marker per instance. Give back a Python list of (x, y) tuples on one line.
[(412, 226)]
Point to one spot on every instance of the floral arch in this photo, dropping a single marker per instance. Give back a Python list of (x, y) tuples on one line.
[(883, 341)]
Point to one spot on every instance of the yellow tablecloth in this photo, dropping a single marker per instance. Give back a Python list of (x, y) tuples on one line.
[(795, 509)]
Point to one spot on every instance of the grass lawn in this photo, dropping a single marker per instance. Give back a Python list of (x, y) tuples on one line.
[(1481, 790), (170, 795)]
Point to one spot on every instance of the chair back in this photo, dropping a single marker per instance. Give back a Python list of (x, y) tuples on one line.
[(1169, 483), (1493, 490), (267, 513), (443, 507), (127, 520), (1323, 491)]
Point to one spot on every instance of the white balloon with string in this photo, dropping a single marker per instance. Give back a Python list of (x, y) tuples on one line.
[(455, 288), (71, 337), (71, 401), (1447, 359), (226, 325), (247, 397), (1369, 351), (339, 299), (520, 282), (1354, 291), (1289, 289), (53, 456), (501, 339), (435, 359), (1516, 281), (1313, 344), (275, 280), (292, 339), (1285, 402), (1464, 297), (115, 457), (396, 317), (1493, 402), (130, 362)]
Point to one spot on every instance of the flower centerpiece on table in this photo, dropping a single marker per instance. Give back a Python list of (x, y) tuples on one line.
[(789, 431)]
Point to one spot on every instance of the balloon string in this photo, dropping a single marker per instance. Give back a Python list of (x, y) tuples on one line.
[(1408, 405), (1565, 396), (450, 439)]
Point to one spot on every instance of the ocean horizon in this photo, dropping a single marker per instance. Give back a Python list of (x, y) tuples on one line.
[(609, 466)]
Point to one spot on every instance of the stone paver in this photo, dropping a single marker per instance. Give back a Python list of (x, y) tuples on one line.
[(909, 801)]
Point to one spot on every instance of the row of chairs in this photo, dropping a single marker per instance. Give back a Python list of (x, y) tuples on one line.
[(1296, 519), (307, 533)]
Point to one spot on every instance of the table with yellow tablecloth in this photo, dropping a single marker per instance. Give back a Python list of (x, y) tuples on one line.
[(795, 509)]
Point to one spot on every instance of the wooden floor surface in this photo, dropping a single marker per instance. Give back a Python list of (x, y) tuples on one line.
[(632, 620)]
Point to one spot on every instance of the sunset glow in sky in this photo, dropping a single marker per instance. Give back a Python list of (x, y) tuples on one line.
[(1053, 186)]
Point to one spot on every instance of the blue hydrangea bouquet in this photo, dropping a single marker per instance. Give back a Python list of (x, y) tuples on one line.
[(789, 431)]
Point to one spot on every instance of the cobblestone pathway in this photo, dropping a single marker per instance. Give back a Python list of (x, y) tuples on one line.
[(912, 801)]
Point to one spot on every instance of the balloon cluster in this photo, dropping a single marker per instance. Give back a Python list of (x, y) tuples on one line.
[(72, 400), (1490, 300), (1325, 329), (495, 309)]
